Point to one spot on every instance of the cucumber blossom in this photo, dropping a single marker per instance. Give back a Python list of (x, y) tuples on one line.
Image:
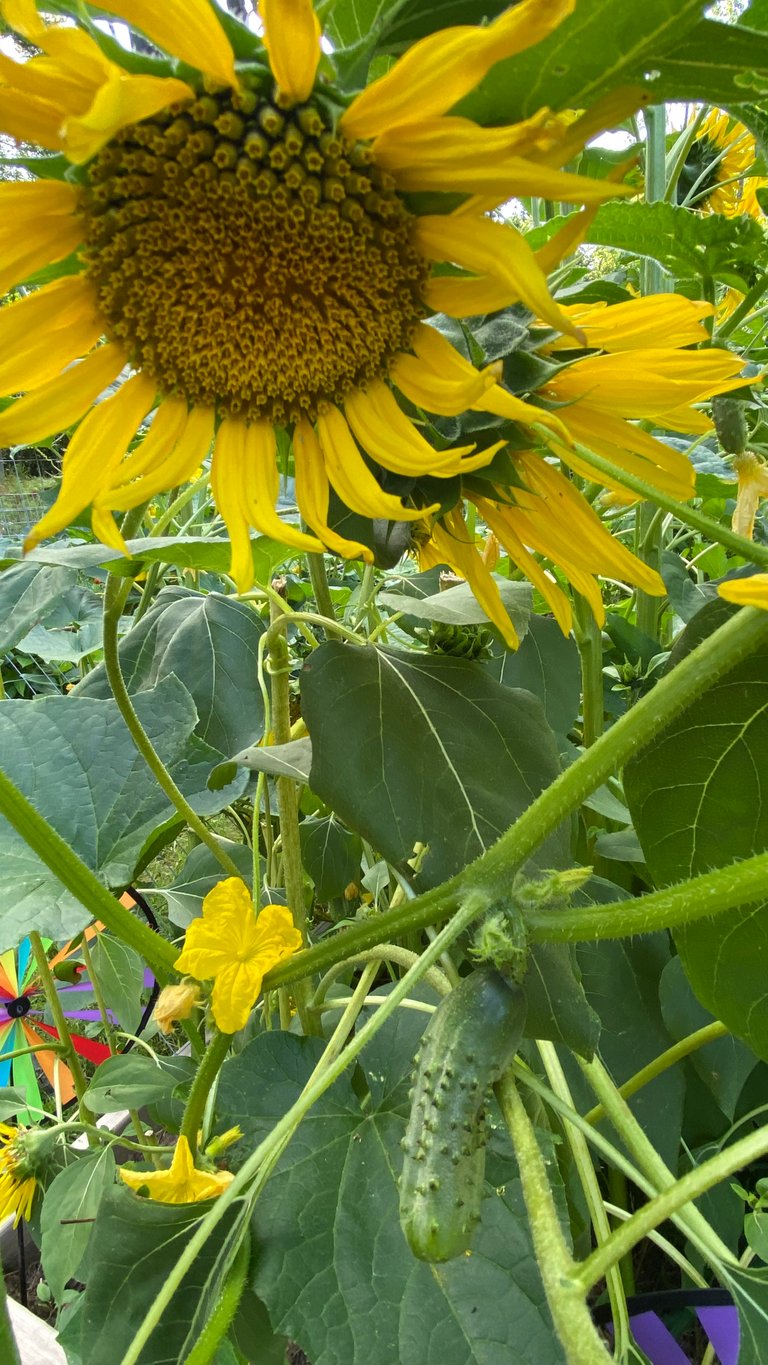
[(470, 1040)]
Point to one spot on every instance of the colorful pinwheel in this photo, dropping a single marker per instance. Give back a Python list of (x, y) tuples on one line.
[(22, 1009)]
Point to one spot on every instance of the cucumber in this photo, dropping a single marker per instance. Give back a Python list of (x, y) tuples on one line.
[(730, 423), (469, 1041)]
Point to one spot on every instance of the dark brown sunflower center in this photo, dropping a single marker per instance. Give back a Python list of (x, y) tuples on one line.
[(250, 257)]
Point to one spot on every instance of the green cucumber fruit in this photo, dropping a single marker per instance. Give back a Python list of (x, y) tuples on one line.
[(730, 423), (470, 1040)]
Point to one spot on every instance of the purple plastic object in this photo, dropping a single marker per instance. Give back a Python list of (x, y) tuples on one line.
[(656, 1340), (722, 1327)]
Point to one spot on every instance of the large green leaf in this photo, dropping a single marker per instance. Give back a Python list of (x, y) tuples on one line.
[(119, 971), (392, 24), (610, 43), (723, 1064), (27, 592), (546, 664), (333, 1266), (71, 1203), (330, 854), (391, 754), (210, 553), (133, 1079), (698, 800), (686, 243), (136, 1242), (76, 762), (209, 641)]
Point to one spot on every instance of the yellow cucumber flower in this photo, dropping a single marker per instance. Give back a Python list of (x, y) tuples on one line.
[(182, 1183), (248, 266), (175, 1003), (235, 948)]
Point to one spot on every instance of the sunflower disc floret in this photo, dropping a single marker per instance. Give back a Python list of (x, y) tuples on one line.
[(250, 256)]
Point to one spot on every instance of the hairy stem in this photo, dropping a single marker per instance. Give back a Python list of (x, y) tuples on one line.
[(205, 1076)]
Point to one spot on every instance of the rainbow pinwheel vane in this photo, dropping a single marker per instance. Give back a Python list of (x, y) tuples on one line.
[(22, 1010)]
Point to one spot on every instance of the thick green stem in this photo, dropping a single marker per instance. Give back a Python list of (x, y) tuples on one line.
[(474, 906), (648, 549), (81, 882), (223, 1314), (112, 611), (663, 1062), (8, 1352), (59, 1018), (319, 580), (565, 1296), (690, 1186), (288, 802), (711, 893), (590, 643), (644, 1153), (205, 1076)]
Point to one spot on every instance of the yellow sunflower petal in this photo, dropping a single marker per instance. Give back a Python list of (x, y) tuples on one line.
[(462, 296), (456, 154), (655, 321), (390, 437), (453, 546), (494, 249), (181, 445), (121, 100), (646, 382), (245, 485), (187, 29), (28, 119), (57, 405), (95, 450), (351, 476), (292, 40), (501, 525), (37, 227), (46, 330), (312, 489), (440, 69), (747, 592)]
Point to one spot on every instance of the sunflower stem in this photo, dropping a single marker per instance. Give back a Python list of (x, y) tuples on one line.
[(205, 1076), (590, 643), (113, 605), (699, 670), (287, 801), (59, 1018), (319, 580), (648, 534)]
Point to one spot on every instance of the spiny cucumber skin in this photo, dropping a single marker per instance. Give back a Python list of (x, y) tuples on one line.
[(470, 1040), (730, 423)]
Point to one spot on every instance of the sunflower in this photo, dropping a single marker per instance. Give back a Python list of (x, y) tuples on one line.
[(716, 170), (636, 365), (235, 241), (18, 1180)]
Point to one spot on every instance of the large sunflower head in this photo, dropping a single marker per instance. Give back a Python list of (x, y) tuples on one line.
[(238, 246), (715, 176)]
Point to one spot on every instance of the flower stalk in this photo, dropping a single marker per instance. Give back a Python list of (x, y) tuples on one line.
[(59, 1018), (205, 1076)]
